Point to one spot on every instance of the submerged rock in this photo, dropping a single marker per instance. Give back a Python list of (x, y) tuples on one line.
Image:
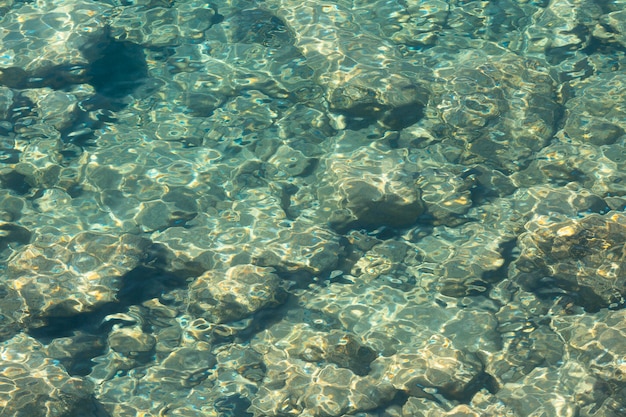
[(369, 189), (596, 114), (35, 385), (361, 72), (583, 258), (235, 294), (598, 340), (59, 275), (501, 107)]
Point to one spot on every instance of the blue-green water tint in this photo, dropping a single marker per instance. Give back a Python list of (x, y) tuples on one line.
[(305, 208)]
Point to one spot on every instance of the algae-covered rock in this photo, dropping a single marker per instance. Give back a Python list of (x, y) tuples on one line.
[(583, 258), (36, 385), (596, 113), (434, 365), (239, 292), (369, 189), (307, 373), (62, 275), (502, 107)]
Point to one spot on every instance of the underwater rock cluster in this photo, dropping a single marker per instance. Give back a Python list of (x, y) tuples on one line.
[(316, 209)]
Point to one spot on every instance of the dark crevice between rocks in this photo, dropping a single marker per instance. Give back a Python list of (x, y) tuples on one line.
[(15, 182), (13, 236), (508, 251), (486, 185), (476, 287), (550, 288), (116, 69), (286, 192), (480, 381), (398, 400), (22, 108), (605, 48), (86, 407), (377, 219), (232, 406), (89, 330), (559, 54), (400, 117)]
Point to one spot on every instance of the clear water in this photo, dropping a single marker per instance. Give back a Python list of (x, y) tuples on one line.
[(279, 208)]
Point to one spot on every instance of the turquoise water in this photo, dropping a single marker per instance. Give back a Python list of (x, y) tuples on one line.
[(279, 208)]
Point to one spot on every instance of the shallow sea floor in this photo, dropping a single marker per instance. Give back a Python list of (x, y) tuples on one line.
[(283, 208)]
